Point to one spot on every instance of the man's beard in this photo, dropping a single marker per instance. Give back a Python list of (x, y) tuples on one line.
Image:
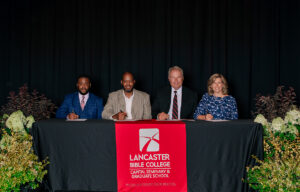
[(128, 91), (87, 91)]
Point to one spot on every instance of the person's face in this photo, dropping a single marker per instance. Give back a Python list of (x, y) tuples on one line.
[(175, 79), (128, 82), (83, 85), (217, 86)]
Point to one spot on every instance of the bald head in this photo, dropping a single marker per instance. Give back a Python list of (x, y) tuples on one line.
[(127, 74)]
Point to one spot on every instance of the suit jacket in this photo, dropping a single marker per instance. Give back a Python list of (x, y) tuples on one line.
[(163, 100), (92, 109), (140, 109)]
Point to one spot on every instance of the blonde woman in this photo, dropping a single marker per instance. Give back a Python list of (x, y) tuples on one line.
[(216, 104)]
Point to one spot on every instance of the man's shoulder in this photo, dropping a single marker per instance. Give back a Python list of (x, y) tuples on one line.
[(140, 93), (115, 93), (163, 93), (93, 96)]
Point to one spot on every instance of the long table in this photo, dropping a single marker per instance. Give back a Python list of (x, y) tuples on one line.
[(82, 155)]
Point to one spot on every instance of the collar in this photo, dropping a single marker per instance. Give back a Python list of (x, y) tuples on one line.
[(130, 96), (179, 91), (85, 96)]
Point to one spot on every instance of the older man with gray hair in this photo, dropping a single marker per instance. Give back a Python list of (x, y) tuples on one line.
[(175, 101)]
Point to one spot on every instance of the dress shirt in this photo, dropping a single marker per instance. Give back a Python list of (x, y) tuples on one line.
[(86, 97), (128, 102), (179, 96)]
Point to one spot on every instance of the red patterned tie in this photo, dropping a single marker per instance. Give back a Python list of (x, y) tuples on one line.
[(175, 107), (82, 103)]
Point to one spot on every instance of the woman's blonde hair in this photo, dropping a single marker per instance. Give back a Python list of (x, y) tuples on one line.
[(212, 79)]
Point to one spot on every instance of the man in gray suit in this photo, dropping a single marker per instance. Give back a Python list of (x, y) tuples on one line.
[(127, 103)]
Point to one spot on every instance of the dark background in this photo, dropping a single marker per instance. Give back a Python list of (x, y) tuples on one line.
[(255, 44)]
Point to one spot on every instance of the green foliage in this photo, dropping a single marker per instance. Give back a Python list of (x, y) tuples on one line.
[(19, 166), (279, 171)]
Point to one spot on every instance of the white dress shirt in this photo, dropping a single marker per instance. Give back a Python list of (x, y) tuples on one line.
[(128, 102), (179, 96)]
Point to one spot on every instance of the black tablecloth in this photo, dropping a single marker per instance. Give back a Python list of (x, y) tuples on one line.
[(82, 155)]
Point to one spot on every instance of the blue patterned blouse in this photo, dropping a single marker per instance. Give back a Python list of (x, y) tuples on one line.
[(218, 107)]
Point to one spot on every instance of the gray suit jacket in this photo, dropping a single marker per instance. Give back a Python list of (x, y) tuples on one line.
[(140, 109)]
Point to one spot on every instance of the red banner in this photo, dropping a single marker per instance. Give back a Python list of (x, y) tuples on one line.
[(151, 156)]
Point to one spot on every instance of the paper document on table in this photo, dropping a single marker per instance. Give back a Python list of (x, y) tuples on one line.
[(188, 119), (169, 120), (76, 119), (125, 120), (217, 120)]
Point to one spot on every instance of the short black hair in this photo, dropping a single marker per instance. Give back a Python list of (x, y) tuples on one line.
[(83, 76)]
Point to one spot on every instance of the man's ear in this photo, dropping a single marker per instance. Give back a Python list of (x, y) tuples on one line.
[(121, 82)]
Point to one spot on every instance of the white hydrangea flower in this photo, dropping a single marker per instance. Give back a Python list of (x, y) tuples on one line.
[(4, 141), (261, 119), (29, 121), (5, 116), (278, 124), (293, 117), (15, 121), (291, 128)]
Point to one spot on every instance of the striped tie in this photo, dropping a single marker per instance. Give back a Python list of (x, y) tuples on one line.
[(175, 107), (82, 104)]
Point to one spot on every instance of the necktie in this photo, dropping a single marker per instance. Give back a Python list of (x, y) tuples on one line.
[(82, 103), (175, 107)]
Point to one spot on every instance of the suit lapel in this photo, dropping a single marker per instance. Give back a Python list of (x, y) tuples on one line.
[(134, 105), (76, 104), (168, 97), (121, 99), (88, 102), (182, 102)]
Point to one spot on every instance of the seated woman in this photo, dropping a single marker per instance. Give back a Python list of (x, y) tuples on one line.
[(216, 104)]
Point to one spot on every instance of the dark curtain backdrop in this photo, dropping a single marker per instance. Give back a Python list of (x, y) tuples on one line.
[(255, 44)]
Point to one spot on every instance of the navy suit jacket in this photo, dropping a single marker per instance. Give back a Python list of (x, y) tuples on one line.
[(188, 102), (92, 110)]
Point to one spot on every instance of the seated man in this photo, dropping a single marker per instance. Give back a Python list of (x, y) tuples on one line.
[(127, 103), (81, 104), (175, 101)]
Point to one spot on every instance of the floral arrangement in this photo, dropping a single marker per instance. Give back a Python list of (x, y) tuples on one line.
[(280, 169), (2, 122), (18, 123), (286, 128), (19, 166), (35, 104), (277, 105)]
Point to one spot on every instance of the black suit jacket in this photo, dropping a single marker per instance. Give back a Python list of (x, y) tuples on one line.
[(163, 100)]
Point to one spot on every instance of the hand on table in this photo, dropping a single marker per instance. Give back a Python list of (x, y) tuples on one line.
[(162, 116), (120, 116), (208, 117), (205, 117), (72, 116)]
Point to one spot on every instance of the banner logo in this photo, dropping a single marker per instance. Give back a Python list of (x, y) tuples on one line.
[(149, 140)]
